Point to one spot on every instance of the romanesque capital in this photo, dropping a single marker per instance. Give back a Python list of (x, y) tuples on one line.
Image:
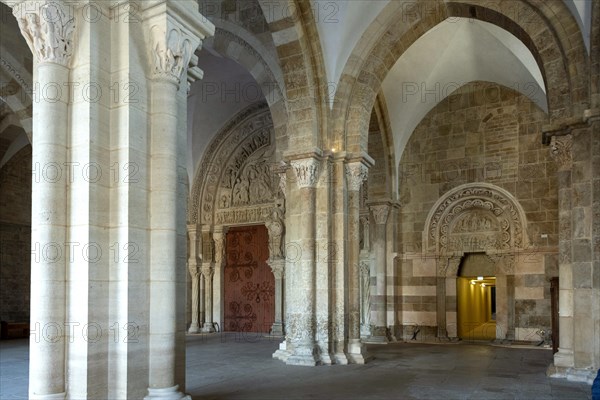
[(48, 28), (356, 174), (278, 268), (172, 50), (560, 150), (380, 213), (176, 30), (207, 270), (193, 269), (307, 172)]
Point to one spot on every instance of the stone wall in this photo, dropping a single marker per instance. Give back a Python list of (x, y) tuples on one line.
[(481, 133), (15, 237)]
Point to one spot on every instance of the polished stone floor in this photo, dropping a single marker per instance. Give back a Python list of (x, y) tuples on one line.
[(229, 366)]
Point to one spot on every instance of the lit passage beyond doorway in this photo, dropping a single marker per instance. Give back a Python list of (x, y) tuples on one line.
[(476, 307)]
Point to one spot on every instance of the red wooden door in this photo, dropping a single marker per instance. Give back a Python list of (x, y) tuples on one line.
[(249, 281)]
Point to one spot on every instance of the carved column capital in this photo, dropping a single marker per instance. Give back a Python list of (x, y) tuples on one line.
[(560, 151), (278, 268), (193, 269), (175, 32), (171, 50), (207, 270), (356, 174), (307, 172), (380, 213), (48, 27)]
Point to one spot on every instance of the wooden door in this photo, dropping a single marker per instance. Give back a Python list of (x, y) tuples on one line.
[(249, 282)]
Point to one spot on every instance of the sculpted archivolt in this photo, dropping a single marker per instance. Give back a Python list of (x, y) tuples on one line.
[(475, 217), (237, 182)]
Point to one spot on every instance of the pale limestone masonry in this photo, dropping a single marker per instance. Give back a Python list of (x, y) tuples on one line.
[(135, 291), (371, 217)]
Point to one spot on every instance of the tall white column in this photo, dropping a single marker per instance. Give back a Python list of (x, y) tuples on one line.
[(171, 48), (48, 29), (195, 275)]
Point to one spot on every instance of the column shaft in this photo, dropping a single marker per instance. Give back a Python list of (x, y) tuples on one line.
[(48, 237)]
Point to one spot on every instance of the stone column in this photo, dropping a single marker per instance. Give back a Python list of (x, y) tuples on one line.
[(278, 268), (210, 269), (48, 29), (365, 278), (447, 269), (561, 152), (356, 174), (365, 296), (171, 48), (380, 216), (301, 274), (195, 275)]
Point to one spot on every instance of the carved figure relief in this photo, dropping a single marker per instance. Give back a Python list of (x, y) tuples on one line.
[(236, 183), (48, 32)]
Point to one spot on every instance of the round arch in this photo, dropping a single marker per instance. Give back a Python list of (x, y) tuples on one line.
[(544, 30)]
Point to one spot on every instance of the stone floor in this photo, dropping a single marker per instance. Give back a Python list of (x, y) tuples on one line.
[(228, 366)]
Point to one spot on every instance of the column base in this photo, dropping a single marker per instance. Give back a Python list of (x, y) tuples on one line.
[(357, 352), (208, 327), (303, 353), (277, 329), (376, 340), (572, 374), (564, 358), (324, 356), (282, 354), (365, 331), (55, 396), (171, 393), (194, 328), (339, 355), (305, 360)]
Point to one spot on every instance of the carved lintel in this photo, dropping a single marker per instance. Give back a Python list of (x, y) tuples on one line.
[(560, 150), (356, 174), (48, 28), (307, 172), (380, 213)]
